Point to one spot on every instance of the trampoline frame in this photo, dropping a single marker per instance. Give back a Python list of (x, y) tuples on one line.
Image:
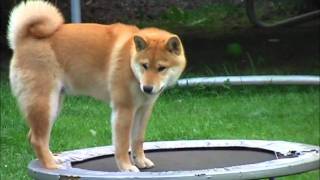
[(298, 158), (251, 80)]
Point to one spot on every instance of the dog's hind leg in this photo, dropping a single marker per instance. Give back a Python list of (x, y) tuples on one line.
[(41, 112)]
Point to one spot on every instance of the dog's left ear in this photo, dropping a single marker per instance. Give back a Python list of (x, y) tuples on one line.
[(174, 45), (140, 43)]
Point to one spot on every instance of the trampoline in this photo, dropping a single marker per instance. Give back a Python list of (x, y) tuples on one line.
[(193, 159)]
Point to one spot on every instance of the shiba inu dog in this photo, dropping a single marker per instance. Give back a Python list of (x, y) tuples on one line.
[(120, 64)]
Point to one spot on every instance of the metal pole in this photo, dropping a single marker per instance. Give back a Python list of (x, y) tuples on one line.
[(251, 80), (75, 11), (252, 15)]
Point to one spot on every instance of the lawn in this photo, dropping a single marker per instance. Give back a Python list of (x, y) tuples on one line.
[(288, 113)]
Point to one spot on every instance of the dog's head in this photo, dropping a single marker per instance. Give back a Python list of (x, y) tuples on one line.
[(158, 60)]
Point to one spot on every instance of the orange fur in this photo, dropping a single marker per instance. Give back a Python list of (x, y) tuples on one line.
[(118, 63)]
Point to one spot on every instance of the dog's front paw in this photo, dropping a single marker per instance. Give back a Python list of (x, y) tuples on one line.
[(58, 159), (143, 163), (52, 165), (129, 168)]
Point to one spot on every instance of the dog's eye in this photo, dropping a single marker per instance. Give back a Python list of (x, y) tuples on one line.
[(161, 68), (145, 66)]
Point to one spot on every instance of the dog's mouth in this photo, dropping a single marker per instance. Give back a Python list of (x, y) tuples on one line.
[(151, 92)]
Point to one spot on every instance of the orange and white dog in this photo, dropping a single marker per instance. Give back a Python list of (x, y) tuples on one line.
[(121, 64)]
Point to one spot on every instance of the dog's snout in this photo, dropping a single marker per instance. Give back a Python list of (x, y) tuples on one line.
[(147, 89)]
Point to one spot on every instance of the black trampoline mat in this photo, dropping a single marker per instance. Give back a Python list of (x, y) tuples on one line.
[(186, 159)]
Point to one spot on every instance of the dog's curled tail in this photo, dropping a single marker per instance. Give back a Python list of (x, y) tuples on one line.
[(35, 19)]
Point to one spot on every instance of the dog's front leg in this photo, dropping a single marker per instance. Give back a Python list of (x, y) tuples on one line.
[(137, 137), (122, 118)]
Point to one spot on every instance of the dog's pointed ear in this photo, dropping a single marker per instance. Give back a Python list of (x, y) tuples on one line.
[(174, 45), (140, 43)]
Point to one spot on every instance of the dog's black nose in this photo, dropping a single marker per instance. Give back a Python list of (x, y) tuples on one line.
[(147, 89)]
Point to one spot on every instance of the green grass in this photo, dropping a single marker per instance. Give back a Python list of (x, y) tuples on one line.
[(288, 113), (220, 18), (215, 18)]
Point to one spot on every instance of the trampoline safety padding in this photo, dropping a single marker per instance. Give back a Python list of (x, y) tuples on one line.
[(193, 159)]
